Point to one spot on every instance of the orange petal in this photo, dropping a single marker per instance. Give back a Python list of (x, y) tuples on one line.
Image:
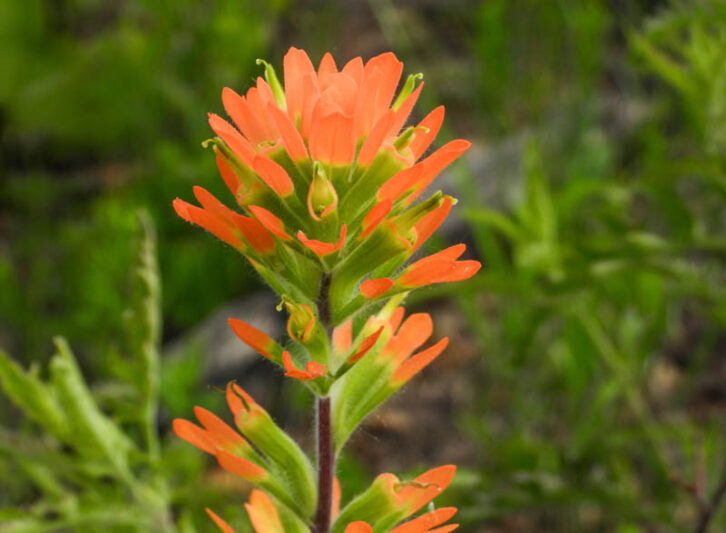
[(240, 466), (288, 132), (212, 224), (414, 331), (263, 514), (238, 400), (411, 182), (224, 526), (380, 79), (354, 68), (237, 108), (452, 253), (373, 288), (331, 139), (258, 108), (327, 65), (194, 435), (366, 345), (358, 527), (296, 65), (423, 139), (213, 206), (336, 499), (233, 182), (311, 98), (444, 529), (396, 318), (265, 91), (321, 248), (441, 267), (431, 222), (401, 182), (254, 338), (255, 234), (437, 162), (426, 487), (223, 436), (343, 337), (374, 217), (238, 144), (273, 175), (425, 522), (312, 370), (341, 90), (271, 222), (416, 363), (375, 138)]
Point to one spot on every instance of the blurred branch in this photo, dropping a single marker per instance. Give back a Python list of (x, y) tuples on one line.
[(709, 510)]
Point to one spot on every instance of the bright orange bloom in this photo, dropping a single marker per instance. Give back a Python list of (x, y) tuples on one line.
[(320, 165), (409, 497)]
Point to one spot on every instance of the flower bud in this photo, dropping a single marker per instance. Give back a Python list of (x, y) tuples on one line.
[(322, 198)]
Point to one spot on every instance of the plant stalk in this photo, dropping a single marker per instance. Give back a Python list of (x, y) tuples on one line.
[(326, 467)]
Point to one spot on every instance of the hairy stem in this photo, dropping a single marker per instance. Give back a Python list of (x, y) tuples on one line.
[(326, 454), (326, 466)]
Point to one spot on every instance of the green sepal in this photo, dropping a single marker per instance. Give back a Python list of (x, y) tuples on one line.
[(304, 273), (291, 210), (381, 246), (271, 485), (300, 172), (407, 89), (377, 501), (288, 464), (361, 195), (310, 335), (277, 283), (274, 82), (360, 390)]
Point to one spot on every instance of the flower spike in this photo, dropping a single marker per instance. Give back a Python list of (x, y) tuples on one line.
[(325, 170)]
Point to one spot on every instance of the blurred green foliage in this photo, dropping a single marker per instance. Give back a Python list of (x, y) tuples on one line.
[(103, 109), (600, 314)]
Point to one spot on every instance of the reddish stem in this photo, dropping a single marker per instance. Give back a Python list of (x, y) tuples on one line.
[(326, 462)]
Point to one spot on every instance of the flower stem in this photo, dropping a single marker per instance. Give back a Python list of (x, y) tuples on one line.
[(326, 462)]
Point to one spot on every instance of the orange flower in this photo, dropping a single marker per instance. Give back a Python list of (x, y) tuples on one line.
[(319, 164), (215, 437), (441, 267), (409, 497)]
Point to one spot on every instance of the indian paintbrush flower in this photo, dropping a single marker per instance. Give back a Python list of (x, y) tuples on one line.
[(325, 176)]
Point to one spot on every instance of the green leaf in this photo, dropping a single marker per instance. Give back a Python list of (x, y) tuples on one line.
[(39, 401), (91, 431)]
